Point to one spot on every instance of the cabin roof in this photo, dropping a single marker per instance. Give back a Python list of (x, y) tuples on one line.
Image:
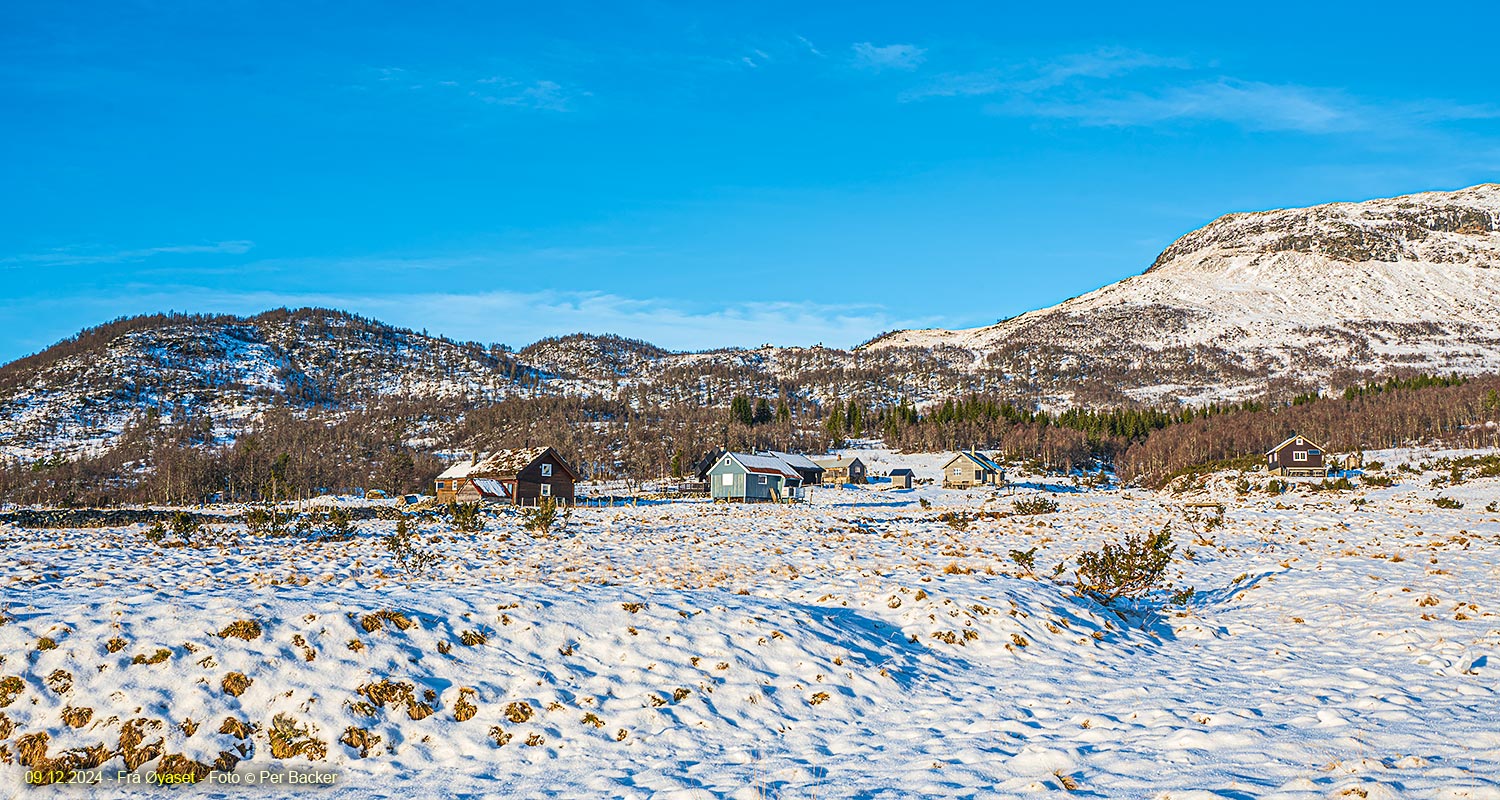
[(509, 463), (794, 460), (1294, 437), (490, 487), (902, 471), (764, 465), (459, 470), (837, 463), (977, 457)]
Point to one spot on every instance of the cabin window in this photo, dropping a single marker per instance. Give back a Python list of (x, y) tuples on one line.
[(546, 470), (978, 475), (546, 490), (763, 479), (728, 479), (440, 484), (1300, 455)]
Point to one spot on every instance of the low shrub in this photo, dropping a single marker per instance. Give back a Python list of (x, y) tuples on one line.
[(1034, 505), (1128, 569)]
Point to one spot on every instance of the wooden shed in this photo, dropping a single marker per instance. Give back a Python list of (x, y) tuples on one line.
[(752, 478), (972, 468), (1297, 457), (903, 478), (843, 470)]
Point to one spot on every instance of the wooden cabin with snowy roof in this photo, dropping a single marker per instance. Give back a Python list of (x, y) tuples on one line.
[(1297, 457), (522, 477)]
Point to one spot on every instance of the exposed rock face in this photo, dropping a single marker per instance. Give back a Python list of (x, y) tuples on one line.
[(1409, 282)]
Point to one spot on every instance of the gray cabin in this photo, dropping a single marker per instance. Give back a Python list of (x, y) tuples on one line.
[(903, 478), (972, 468), (751, 478)]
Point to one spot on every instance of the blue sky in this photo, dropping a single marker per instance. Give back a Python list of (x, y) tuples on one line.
[(694, 174)]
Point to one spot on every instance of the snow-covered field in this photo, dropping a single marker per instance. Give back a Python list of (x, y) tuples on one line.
[(853, 646)]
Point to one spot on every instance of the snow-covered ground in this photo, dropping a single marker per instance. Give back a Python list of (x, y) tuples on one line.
[(853, 646)]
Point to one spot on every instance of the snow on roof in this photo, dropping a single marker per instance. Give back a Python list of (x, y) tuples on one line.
[(768, 464), (459, 470), (794, 460), (506, 463), (902, 471), (837, 463)]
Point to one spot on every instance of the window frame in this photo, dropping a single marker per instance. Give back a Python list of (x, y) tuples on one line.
[(546, 490), (546, 470)]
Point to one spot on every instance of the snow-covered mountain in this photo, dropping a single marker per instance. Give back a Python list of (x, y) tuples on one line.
[(1408, 282), (1293, 300), (81, 394)]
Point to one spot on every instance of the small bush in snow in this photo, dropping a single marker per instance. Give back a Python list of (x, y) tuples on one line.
[(1447, 502), (465, 517), (1034, 505), (1025, 559), (1127, 569), (402, 546)]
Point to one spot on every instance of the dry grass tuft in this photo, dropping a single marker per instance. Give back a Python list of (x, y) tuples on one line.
[(46, 643), (175, 768), (1066, 781), (360, 739), (60, 681), (535, 740), (463, 709), (236, 728), (290, 739), (376, 621), (519, 711), (6, 727), (473, 638), (115, 645), (133, 747), (10, 686), (75, 717), (161, 654), (235, 684), (31, 751), (246, 629), (386, 692), (499, 736)]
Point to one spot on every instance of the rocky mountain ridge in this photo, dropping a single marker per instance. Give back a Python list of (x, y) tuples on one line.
[(1251, 304)]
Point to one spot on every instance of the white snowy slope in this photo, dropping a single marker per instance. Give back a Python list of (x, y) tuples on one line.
[(861, 645), (1410, 281)]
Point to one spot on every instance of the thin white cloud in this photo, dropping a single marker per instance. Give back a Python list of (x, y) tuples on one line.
[(495, 90), (1081, 88), (74, 256), (1028, 78), (540, 95), (519, 318), (890, 56)]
